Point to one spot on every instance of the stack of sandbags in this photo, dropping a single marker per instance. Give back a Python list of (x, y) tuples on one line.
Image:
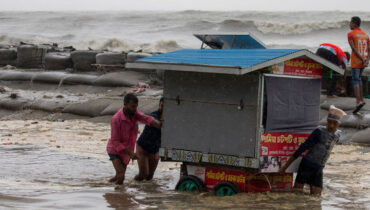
[(111, 58), (32, 56), (82, 59), (58, 61), (8, 56)]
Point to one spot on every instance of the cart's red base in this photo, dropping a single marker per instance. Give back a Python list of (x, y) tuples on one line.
[(218, 178)]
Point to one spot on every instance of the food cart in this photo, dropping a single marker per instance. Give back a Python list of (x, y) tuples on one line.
[(234, 116)]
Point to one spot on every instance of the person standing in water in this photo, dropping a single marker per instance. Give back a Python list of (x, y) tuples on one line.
[(359, 42), (124, 129), (319, 145), (147, 147)]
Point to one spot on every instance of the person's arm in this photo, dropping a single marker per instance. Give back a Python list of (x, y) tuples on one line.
[(310, 141), (157, 124), (132, 155), (368, 53), (352, 45), (148, 120)]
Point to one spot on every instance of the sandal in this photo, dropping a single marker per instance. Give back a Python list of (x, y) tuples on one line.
[(358, 108)]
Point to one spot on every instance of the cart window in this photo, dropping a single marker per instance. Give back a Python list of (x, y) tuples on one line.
[(293, 104)]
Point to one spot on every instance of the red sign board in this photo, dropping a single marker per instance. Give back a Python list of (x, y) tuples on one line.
[(303, 67), (214, 176), (249, 182), (281, 144)]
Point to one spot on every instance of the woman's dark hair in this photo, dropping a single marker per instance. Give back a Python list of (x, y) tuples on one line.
[(161, 99), (356, 20), (130, 97)]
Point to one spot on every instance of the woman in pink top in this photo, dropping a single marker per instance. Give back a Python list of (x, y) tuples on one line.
[(124, 129)]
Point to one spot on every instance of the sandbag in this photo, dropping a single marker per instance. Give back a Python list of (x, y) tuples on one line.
[(146, 105), (356, 121), (13, 104), (91, 108), (113, 108), (362, 137), (16, 76), (58, 61), (111, 58), (120, 79), (31, 56), (132, 56), (47, 105), (344, 103), (8, 57), (49, 77), (323, 114), (346, 135), (82, 59), (74, 79)]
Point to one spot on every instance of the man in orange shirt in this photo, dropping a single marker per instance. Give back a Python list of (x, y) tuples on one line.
[(359, 42)]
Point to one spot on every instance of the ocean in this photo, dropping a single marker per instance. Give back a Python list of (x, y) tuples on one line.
[(166, 31)]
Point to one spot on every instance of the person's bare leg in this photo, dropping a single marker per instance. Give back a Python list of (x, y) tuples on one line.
[(143, 163), (153, 163), (113, 179), (298, 187), (361, 94), (357, 92), (315, 190), (120, 170)]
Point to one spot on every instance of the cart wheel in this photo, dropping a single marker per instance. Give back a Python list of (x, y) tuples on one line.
[(226, 189), (190, 184)]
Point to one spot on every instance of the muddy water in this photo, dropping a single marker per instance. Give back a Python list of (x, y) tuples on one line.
[(63, 165)]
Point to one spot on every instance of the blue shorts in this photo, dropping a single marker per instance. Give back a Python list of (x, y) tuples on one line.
[(356, 77)]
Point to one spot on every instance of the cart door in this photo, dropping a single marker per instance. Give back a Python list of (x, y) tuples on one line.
[(211, 113)]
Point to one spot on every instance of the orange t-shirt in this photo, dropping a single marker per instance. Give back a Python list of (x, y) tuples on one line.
[(361, 41)]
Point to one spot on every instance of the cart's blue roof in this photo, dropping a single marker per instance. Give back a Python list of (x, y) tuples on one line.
[(241, 58)]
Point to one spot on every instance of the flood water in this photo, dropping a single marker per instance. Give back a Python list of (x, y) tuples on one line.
[(37, 176)]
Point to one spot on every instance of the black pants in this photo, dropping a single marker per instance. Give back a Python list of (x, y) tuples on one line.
[(329, 56)]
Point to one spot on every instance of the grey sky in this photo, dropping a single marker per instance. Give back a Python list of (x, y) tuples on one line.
[(275, 5)]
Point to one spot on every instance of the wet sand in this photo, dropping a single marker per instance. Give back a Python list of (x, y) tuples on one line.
[(64, 165)]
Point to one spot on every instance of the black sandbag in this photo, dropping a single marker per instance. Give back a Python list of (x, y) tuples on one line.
[(120, 79), (133, 56), (16, 76), (111, 58), (76, 79), (31, 56), (82, 59), (58, 61), (8, 57), (91, 108), (362, 137), (49, 77)]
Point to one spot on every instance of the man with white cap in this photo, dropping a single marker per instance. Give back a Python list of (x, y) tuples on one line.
[(319, 145)]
